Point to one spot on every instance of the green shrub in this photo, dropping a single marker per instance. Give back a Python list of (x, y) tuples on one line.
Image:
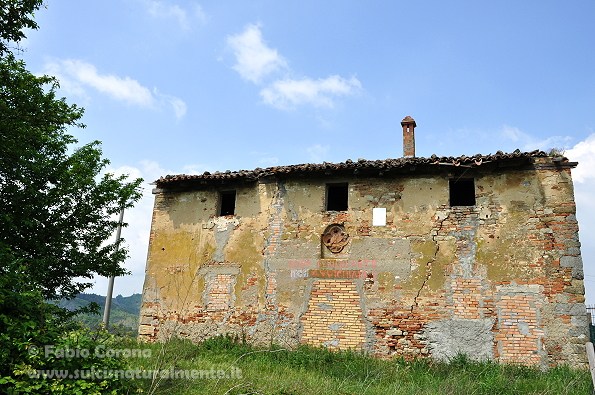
[(43, 351)]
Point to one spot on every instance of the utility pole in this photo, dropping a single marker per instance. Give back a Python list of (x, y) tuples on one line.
[(110, 285)]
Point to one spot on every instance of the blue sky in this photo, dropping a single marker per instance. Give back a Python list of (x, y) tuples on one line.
[(186, 86)]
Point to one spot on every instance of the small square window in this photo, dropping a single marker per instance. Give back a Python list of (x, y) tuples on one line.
[(337, 197), (227, 203), (462, 191)]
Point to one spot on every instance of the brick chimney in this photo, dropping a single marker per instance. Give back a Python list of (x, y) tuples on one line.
[(409, 125)]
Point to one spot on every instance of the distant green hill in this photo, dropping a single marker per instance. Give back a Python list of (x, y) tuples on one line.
[(124, 313)]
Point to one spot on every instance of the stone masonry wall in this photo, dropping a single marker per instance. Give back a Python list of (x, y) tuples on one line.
[(501, 280)]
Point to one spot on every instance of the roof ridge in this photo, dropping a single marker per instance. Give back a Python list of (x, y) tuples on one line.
[(389, 163)]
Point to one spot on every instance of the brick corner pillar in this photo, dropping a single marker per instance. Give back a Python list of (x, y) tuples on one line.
[(409, 125)]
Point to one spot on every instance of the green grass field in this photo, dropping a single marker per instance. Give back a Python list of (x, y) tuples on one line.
[(309, 370)]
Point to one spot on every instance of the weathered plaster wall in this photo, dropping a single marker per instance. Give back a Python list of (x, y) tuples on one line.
[(499, 280)]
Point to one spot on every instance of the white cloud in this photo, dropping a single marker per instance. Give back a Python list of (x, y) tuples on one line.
[(68, 85), (317, 152), (288, 93), (254, 59), (124, 89), (526, 142), (512, 133), (584, 154), (76, 75), (183, 17), (178, 105)]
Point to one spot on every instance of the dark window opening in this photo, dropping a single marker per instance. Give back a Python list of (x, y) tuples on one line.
[(336, 197), (462, 191), (227, 204)]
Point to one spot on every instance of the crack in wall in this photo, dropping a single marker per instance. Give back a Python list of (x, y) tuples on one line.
[(430, 261)]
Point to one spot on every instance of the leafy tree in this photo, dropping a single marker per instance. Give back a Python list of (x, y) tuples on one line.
[(56, 212), (16, 15), (57, 216)]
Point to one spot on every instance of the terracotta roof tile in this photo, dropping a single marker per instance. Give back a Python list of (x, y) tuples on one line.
[(363, 164)]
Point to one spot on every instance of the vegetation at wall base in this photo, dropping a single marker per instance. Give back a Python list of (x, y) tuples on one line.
[(310, 370)]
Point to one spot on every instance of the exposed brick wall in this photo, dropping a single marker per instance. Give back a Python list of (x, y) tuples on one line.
[(408, 137), (519, 333), (334, 316), (501, 280), (219, 292), (400, 332), (467, 300)]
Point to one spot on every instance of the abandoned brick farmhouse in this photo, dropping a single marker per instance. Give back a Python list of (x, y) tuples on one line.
[(415, 257)]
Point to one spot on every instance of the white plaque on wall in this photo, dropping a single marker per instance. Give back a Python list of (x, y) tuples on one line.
[(379, 216)]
